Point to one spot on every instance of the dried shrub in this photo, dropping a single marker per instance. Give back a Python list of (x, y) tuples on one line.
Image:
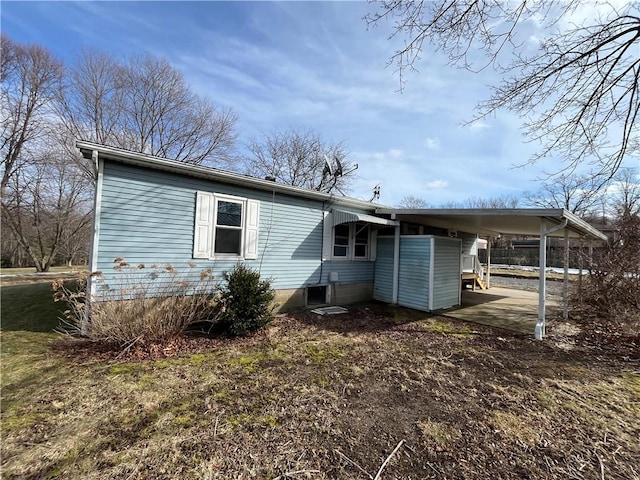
[(247, 300), (139, 304), (611, 291)]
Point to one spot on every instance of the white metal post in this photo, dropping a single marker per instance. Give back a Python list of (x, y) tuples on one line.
[(488, 280), (542, 285), (565, 283)]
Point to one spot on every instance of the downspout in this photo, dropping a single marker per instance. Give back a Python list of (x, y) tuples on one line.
[(540, 330), (93, 245)]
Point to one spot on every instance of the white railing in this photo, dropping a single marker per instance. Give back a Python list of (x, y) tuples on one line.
[(471, 264)]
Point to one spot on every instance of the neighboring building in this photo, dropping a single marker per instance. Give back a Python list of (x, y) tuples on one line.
[(317, 248)]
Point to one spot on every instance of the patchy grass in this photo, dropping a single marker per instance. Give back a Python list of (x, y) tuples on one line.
[(328, 398)]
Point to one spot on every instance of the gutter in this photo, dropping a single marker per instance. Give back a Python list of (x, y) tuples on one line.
[(158, 163)]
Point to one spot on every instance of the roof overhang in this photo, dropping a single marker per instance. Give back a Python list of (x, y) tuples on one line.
[(157, 163), (340, 217), (493, 222)]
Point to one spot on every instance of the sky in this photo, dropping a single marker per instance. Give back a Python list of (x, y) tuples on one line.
[(312, 66)]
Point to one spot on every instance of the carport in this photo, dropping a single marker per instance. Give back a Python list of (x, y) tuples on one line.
[(506, 308), (543, 223)]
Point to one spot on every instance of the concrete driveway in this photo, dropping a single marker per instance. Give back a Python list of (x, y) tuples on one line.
[(515, 310)]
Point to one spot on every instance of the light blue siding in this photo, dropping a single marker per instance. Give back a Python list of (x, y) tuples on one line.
[(446, 273), (413, 281), (413, 286), (147, 216), (383, 281), (469, 243), (415, 271)]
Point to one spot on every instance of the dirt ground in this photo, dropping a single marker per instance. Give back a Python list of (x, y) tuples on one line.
[(330, 398)]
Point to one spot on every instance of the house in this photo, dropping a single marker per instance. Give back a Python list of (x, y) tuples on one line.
[(317, 248)]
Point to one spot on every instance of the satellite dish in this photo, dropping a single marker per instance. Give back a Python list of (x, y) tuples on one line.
[(327, 167), (338, 167)]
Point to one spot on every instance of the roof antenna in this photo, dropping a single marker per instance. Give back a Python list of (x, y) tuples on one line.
[(376, 193)]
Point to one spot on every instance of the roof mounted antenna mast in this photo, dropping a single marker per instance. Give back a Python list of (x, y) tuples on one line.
[(376, 193)]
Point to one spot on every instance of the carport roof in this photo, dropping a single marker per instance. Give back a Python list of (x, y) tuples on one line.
[(508, 221)]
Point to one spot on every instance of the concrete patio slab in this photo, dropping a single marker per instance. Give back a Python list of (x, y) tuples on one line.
[(515, 310)]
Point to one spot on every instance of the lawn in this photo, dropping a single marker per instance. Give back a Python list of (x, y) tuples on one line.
[(318, 398), (32, 270)]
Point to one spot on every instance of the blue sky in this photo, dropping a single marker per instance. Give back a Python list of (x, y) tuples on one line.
[(311, 66)]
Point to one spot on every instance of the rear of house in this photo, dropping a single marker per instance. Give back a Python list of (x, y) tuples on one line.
[(317, 248)]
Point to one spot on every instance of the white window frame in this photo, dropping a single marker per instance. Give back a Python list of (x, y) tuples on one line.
[(217, 198), (206, 227), (351, 247)]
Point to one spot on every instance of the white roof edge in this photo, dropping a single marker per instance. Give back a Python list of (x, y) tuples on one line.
[(341, 216), (159, 163), (582, 226), (575, 223)]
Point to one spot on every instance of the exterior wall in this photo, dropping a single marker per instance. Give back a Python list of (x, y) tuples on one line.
[(417, 276), (147, 217), (383, 284), (446, 273), (289, 299), (413, 285), (469, 243), (344, 294), (413, 281)]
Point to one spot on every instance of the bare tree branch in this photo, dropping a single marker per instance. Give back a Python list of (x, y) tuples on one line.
[(577, 92), (298, 158)]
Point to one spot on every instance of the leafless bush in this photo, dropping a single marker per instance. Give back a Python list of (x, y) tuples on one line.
[(612, 289), (139, 305)]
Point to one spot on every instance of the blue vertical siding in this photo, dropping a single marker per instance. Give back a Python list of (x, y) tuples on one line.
[(383, 278), (147, 217), (413, 281), (446, 273), (413, 285)]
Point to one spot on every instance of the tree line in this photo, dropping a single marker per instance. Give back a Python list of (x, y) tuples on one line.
[(576, 89), (142, 104)]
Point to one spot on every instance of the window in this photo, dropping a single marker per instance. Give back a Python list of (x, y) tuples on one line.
[(341, 240), (351, 241), (225, 226), (361, 247), (228, 228)]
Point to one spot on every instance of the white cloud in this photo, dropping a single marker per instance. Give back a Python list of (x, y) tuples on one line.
[(437, 184), (432, 143), (479, 125)]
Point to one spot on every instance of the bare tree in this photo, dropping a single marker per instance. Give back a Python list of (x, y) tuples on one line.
[(46, 204), (504, 201), (300, 158), (581, 195), (31, 78), (413, 202), (164, 117), (624, 197), (576, 87), (144, 105)]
